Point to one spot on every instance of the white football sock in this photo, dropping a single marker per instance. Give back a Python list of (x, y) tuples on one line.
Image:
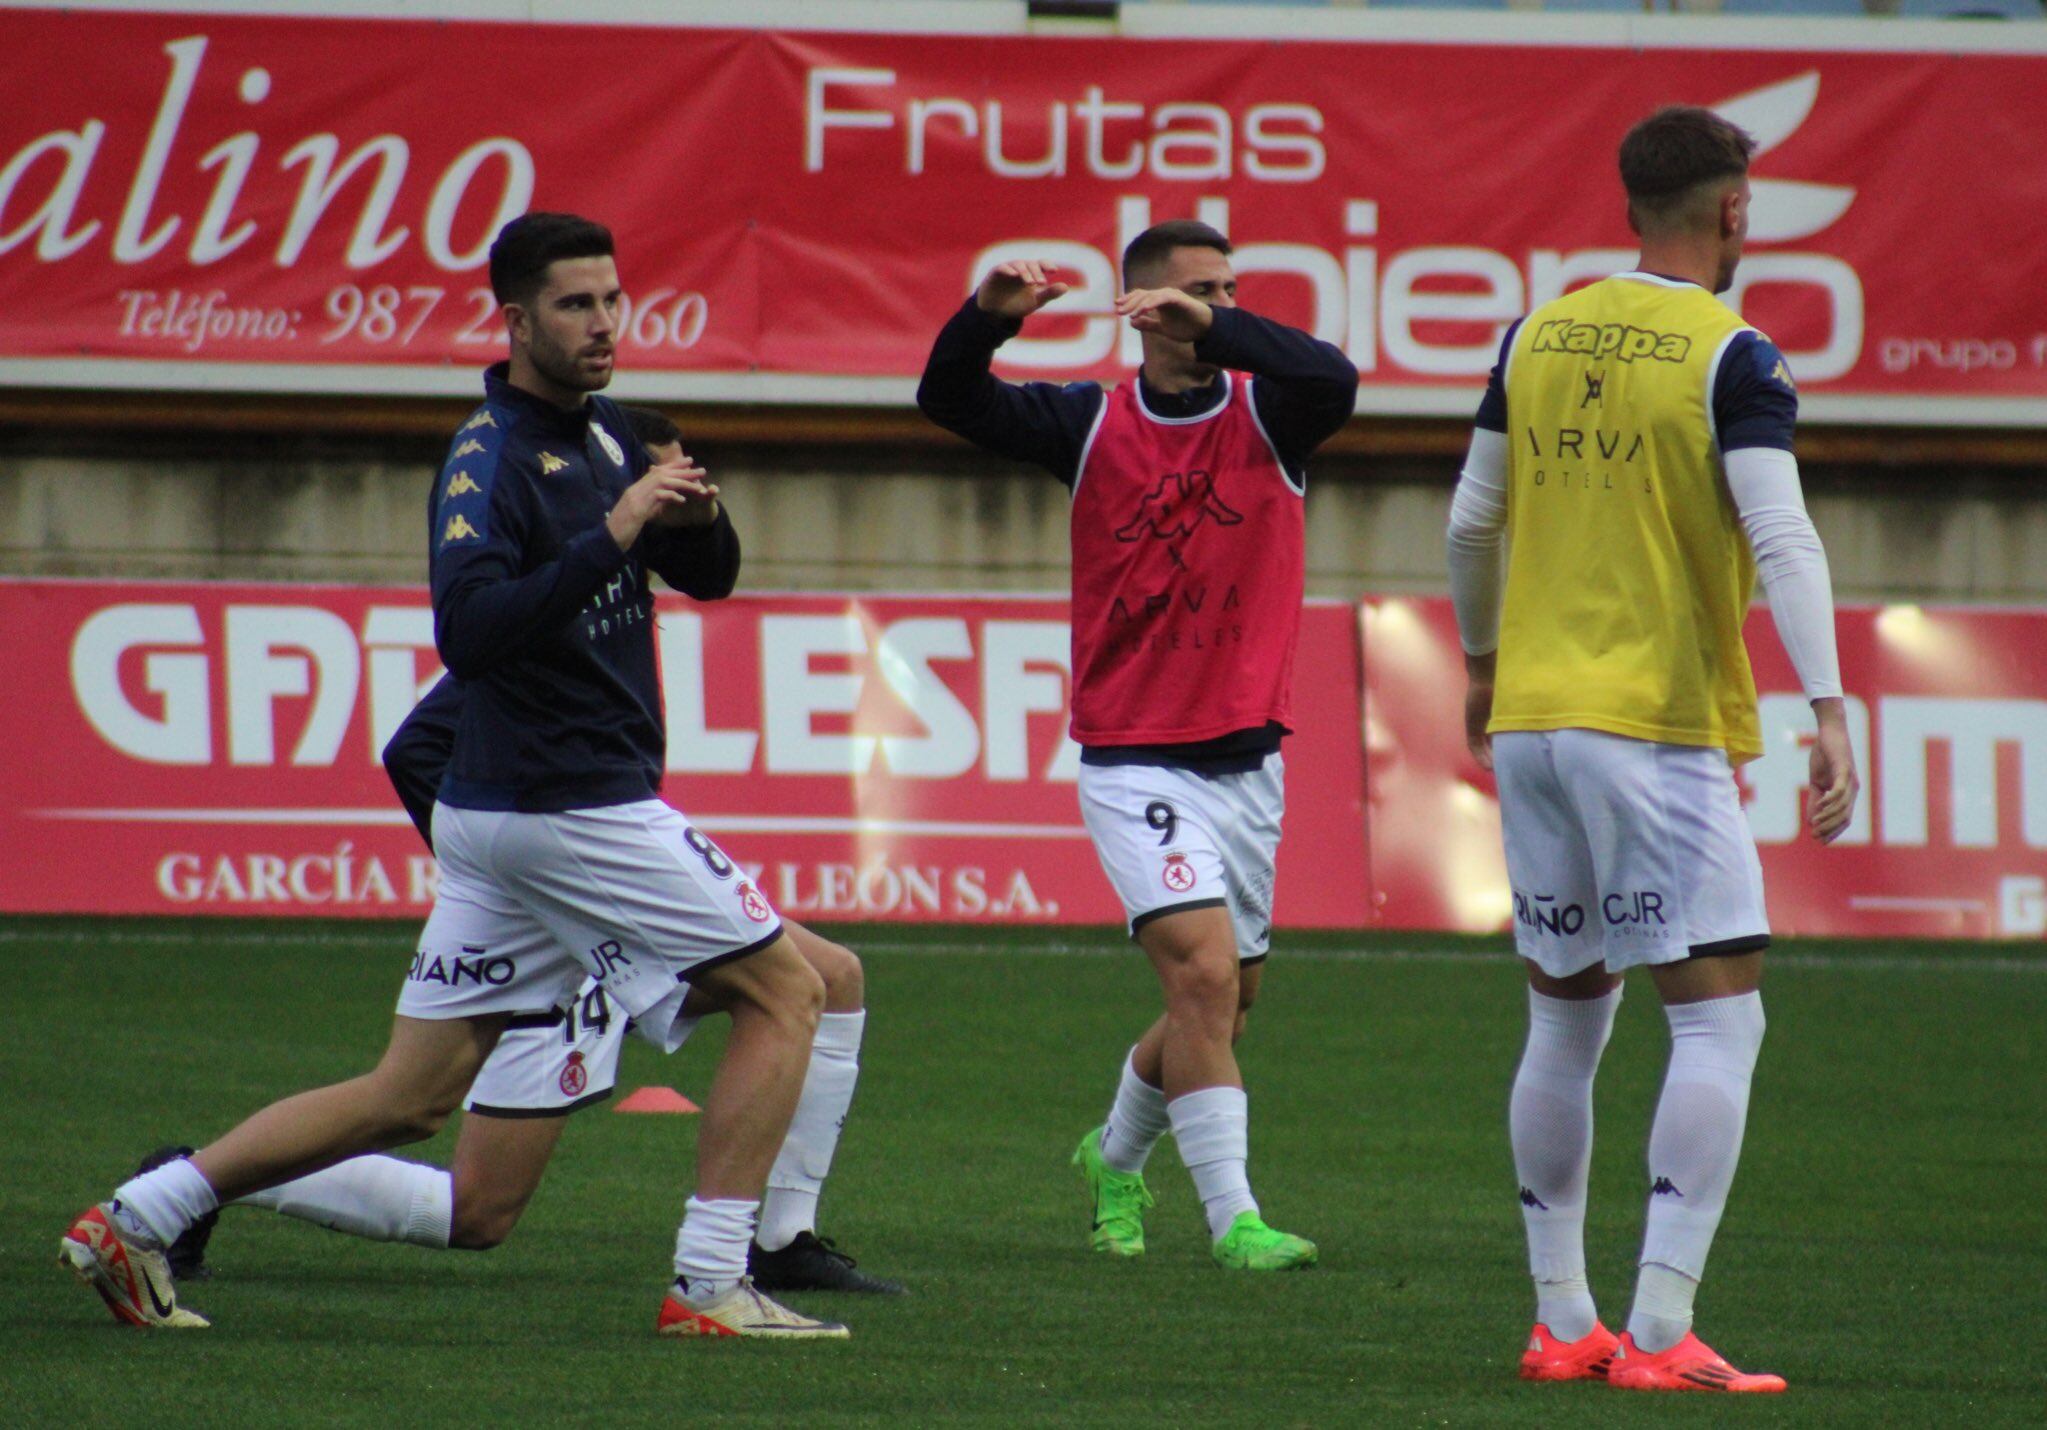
[(156, 1207), (1549, 1121), (710, 1246), (1663, 1307), (789, 1207), (1137, 1119), (1694, 1146), (375, 1197), (1213, 1130)]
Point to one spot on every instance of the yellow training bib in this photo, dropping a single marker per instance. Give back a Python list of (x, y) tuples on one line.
[(1628, 573)]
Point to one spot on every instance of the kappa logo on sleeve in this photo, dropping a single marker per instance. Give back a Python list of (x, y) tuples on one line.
[(459, 485), (472, 445), (459, 529), (481, 419)]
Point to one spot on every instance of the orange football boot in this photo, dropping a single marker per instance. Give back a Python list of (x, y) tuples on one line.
[(1691, 1364), (134, 1282), (1586, 1358)]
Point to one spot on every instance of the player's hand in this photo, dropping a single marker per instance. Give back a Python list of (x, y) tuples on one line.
[(1478, 706), (699, 503), (1167, 312), (1017, 290), (670, 485), (1834, 781)]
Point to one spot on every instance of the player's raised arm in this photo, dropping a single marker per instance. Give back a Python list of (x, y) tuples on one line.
[(1306, 388), (1038, 422)]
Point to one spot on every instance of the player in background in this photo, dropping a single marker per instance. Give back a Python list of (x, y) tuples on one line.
[(1629, 473), (547, 522), (1188, 571), (553, 1062)]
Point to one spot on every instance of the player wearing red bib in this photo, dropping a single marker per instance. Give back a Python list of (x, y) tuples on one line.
[(1187, 537)]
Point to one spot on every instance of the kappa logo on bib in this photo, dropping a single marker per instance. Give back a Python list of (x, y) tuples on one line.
[(574, 1077), (1179, 875), (756, 907)]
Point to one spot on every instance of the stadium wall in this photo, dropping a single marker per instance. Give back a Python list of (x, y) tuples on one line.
[(312, 506)]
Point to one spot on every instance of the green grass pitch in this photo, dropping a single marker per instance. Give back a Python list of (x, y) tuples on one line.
[(1886, 1248)]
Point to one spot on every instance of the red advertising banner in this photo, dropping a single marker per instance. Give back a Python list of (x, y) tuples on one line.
[(1948, 712), (294, 202), (199, 748)]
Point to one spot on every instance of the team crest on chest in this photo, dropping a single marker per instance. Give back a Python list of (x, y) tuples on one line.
[(1178, 874), (609, 444)]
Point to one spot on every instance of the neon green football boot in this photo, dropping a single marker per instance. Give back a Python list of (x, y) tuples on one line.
[(1119, 1200), (1251, 1245)]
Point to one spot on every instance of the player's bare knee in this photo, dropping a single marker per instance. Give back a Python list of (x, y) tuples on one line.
[(402, 1111), (481, 1227), (808, 998), (793, 992), (417, 1121), (1206, 985), (845, 981)]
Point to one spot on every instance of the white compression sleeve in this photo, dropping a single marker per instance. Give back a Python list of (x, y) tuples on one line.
[(1478, 541), (1793, 564)]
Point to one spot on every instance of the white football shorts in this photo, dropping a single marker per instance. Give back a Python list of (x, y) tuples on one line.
[(553, 1063), (1625, 851), (548, 1064), (1171, 839), (529, 905)]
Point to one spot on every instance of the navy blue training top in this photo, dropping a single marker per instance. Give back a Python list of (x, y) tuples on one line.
[(416, 757), (548, 626)]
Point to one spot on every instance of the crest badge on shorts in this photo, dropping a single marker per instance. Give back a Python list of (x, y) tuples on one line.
[(756, 907), (574, 1078), (1179, 875)]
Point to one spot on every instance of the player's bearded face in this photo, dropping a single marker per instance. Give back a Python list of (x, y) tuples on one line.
[(570, 330)]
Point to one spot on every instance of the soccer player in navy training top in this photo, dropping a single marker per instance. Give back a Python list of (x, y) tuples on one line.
[(1187, 580), (551, 1062), (557, 860)]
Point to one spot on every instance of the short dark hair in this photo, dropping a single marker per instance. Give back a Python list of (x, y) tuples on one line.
[(650, 428), (519, 255), (1667, 157), (1156, 244)]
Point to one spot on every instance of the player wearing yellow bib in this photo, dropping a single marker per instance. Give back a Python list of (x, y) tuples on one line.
[(1629, 475)]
